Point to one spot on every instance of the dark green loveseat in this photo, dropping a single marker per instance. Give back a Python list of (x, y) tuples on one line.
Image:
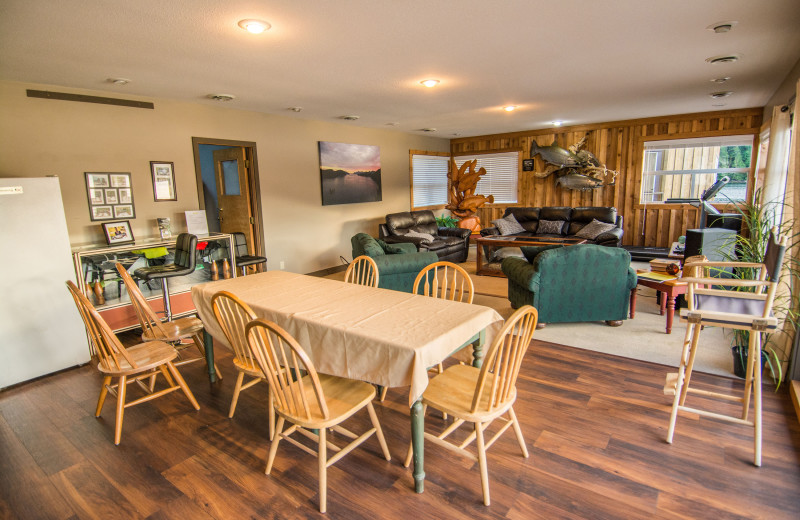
[(572, 284), (398, 264)]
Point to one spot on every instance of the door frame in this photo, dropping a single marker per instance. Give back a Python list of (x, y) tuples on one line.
[(251, 157)]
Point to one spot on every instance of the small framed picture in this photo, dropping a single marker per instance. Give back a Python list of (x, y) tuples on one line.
[(125, 196), (97, 180), (118, 232), (102, 212), (163, 180), (527, 165), (120, 180), (111, 196), (96, 197), (123, 211)]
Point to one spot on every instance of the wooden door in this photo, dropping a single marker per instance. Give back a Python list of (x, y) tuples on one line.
[(233, 193)]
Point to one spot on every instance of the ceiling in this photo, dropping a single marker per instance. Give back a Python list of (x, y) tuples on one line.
[(577, 61)]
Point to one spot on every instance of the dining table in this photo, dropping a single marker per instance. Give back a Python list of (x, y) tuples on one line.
[(385, 337)]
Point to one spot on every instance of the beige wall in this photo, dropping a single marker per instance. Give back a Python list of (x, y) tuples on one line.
[(785, 92), (41, 137)]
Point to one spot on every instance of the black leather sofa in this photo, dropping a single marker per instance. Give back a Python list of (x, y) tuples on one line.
[(449, 244), (575, 219)]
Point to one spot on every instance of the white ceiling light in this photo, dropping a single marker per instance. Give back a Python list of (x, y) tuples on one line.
[(722, 27), (557, 123), (510, 108), (348, 118), (720, 80), (254, 26), (430, 83), (720, 95), (428, 129), (295, 109), (725, 58), (222, 97), (118, 81)]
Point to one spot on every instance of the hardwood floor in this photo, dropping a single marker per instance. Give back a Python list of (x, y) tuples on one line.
[(594, 425)]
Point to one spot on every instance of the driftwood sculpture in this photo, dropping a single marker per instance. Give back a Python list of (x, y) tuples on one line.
[(463, 200), (576, 169)]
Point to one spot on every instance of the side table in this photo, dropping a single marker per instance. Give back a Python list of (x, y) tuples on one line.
[(670, 289)]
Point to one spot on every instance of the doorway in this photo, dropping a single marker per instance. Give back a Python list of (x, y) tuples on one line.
[(228, 188)]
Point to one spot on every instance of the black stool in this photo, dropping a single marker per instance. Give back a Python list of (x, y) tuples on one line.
[(185, 263), (243, 259)]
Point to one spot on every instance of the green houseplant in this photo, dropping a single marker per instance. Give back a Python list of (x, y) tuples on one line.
[(447, 221), (758, 218)]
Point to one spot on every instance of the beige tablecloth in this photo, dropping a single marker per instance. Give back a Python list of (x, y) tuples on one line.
[(385, 337)]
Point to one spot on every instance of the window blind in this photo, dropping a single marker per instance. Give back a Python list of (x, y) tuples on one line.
[(429, 178), (502, 173)]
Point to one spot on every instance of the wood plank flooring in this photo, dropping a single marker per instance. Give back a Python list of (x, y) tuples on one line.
[(594, 424)]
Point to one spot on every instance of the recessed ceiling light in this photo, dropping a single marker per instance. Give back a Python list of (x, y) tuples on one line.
[(557, 123), (348, 118), (510, 108), (720, 95), (428, 129), (222, 97), (722, 27), (720, 80), (719, 104), (430, 83), (725, 58), (118, 81), (393, 123), (295, 109), (254, 26)]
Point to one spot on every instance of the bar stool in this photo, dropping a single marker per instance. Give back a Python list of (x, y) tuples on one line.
[(243, 259), (185, 263), (746, 307)]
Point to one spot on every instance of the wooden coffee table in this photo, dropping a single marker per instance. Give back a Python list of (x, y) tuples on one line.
[(669, 289), (501, 241)]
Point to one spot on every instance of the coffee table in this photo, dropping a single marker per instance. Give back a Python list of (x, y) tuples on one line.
[(500, 241), (669, 289)]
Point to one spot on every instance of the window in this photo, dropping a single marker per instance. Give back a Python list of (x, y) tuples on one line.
[(429, 179), (677, 170), (502, 173)]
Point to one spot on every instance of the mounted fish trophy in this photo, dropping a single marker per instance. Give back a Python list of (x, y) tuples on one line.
[(576, 169), (463, 200)]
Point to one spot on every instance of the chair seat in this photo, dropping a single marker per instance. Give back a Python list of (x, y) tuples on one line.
[(245, 260), (157, 272), (174, 330), (452, 392), (344, 398), (145, 356), (248, 368)]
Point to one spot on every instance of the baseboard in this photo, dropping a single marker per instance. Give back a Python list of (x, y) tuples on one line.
[(794, 390), (328, 271)]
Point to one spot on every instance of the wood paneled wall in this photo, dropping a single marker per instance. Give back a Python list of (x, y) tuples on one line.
[(619, 146)]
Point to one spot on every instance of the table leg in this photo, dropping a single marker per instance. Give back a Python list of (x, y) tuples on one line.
[(662, 302), (477, 349), (478, 259), (670, 311), (208, 340), (418, 444), (633, 302)]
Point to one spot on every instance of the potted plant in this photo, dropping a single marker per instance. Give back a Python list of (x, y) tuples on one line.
[(447, 221), (758, 218)]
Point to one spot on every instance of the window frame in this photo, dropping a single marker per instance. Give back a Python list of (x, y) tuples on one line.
[(411, 154)]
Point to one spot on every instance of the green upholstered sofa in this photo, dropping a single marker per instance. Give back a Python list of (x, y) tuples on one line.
[(398, 264), (572, 284)]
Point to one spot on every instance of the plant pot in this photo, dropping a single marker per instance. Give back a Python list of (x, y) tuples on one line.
[(740, 362)]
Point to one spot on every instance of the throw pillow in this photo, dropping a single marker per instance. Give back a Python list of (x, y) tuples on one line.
[(426, 238), (508, 225), (594, 229), (550, 227), (390, 249), (530, 252)]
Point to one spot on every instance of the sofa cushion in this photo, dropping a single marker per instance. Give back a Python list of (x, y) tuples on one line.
[(594, 229), (508, 225), (426, 238), (396, 223), (555, 213), (528, 218), (530, 252), (363, 244), (582, 216), (550, 227), (425, 222)]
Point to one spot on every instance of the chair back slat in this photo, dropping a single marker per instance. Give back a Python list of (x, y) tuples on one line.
[(773, 258), (445, 280), (186, 250), (503, 360), (362, 271), (107, 347), (233, 315), (288, 370), (148, 319)]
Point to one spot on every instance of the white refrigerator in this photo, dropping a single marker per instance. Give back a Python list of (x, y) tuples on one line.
[(41, 331)]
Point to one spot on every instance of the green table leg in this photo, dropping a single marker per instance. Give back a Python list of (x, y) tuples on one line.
[(208, 340), (418, 444), (477, 349)]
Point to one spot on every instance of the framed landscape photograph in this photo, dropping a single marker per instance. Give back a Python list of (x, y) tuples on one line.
[(118, 232), (163, 180), (110, 195), (349, 173)]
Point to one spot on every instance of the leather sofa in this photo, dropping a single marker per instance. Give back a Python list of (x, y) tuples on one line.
[(575, 218), (398, 264), (568, 284), (449, 244)]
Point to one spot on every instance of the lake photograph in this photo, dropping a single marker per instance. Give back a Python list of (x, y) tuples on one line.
[(349, 173)]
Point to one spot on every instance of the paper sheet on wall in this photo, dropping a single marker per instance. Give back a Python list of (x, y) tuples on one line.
[(196, 222)]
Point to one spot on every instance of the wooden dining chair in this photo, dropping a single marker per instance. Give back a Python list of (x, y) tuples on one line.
[(174, 331), (312, 402), (746, 305), (362, 271), (133, 364), (481, 395), (233, 315)]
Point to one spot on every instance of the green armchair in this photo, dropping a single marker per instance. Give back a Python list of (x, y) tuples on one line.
[(572, 284), (398, 264)]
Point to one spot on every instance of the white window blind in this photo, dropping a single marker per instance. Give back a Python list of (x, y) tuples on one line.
[(429, 178), (502, 173)]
